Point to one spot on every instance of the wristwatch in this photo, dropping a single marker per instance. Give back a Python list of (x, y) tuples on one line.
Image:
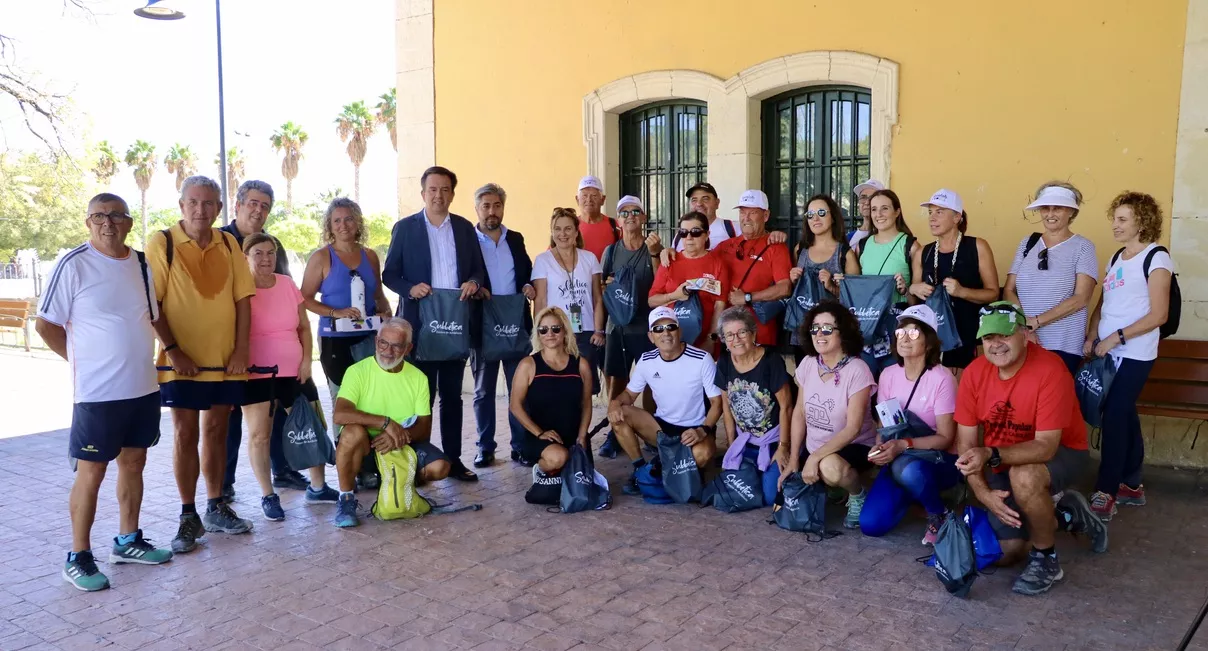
[(995, 459), (386, 424), (747, 297), (1120, 332)]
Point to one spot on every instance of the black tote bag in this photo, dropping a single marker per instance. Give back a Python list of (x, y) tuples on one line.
[(444, 327), (504, 336)]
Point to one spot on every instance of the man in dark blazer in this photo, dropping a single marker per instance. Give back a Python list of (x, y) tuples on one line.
[(435, 249), (509, 270)]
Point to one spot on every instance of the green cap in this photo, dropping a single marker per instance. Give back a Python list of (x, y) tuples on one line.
[(1000, 318)]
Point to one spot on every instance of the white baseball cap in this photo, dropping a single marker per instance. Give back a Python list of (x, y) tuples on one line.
[(1055, 196), (922, 314), (870, 184), (660, 313), (630, 200), (946, 199), (753, 199), (591, 182)]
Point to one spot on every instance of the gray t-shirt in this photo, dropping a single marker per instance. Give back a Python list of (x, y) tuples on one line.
[(616, 257)]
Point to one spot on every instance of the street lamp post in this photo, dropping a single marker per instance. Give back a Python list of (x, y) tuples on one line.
[(157, 10)]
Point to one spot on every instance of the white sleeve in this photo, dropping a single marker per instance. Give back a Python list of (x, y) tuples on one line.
[(540, 270), (637, 381), (856, 238), (708, 375), (593, 263), (1161, 260), (60, 292)]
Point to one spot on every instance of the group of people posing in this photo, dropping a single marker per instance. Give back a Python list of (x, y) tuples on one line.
[(682, 354)]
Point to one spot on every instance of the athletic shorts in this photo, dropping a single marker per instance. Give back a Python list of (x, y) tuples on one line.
[(622, 351), (531, 446), (674, 431), (425, 452), (856, 456), (1065, 468), (191, 394), (284, 390), (99, 430)]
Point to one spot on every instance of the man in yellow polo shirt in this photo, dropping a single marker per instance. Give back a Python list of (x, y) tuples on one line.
[(204, 286), (383, 403)]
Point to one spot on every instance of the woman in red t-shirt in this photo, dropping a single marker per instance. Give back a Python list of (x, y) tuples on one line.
[(696, 262)]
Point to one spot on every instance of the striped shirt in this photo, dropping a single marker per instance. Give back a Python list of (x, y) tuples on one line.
[(443, 249), (1039, 291)]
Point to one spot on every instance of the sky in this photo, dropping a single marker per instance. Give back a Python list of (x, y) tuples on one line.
[(133, 78)]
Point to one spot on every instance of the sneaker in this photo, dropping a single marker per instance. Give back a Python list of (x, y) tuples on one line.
[(855, 504), (1126, 496), (228, 494), (83, 573), (1076, 515), (346, 513), (224, 519), (1103, 505), (631, 487), (292, 480), (368, 481), (325, 494), (271, 505), (140, 551), (1040, 574), (934, 522), (608, 449), (187, 534)]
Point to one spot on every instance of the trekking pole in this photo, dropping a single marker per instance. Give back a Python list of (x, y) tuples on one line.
[(1195, 626)]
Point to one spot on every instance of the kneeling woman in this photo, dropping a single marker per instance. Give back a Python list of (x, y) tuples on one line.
[(832, 417), (551, 393), (923, 387)]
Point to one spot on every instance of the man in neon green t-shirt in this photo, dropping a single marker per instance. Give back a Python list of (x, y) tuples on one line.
[(383, 405)]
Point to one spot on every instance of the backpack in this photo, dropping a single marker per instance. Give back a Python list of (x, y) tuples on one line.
[(1175, 309), (1032, 240), (170, 249), (142, 264), (397, 498)]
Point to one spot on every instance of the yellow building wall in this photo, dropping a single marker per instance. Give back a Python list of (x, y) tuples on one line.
[(994, 98)]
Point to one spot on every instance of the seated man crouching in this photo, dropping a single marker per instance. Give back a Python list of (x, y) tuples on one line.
[(378, 395), (678, 375)]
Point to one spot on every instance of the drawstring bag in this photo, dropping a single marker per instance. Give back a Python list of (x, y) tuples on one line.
[(444, 332), (304, 441), (1091, 384), (869, 298), (504, 336), (768, 311), (620, 296), (546, 489), (397, 497), (681, 477), (801, 507), (735, 490), (953, 559), (691, 317), (583, 488), (806, 294), (941, 303)]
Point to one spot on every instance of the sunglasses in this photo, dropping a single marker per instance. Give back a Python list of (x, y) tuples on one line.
[(908, 333), (695, 232), (825, 329), (666, 327), (1002, 309), (630, 213), (817, 214), (544, 330), (1044, 260)]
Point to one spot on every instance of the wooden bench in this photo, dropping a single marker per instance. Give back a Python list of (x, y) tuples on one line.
[(1178, 384), (15, 314)]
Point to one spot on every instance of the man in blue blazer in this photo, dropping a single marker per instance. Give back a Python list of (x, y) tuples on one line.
[(435, 249), (509, 271)]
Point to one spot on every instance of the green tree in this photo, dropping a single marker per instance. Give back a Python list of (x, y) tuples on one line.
[(288, 141), (235, 174), (106, 163), (43, 204), (379, 226), (298, 232), (141, 158), (355, 125), (182, 162), (385, 114)]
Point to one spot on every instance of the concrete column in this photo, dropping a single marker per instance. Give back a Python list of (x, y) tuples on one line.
[(416, 113)]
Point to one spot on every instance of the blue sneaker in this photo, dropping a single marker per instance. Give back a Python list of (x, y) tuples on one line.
[(609, 448), (346, 513), (271, 504), (325, 494)]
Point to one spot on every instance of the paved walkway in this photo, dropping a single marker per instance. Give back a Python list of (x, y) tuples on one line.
[(514, 576)]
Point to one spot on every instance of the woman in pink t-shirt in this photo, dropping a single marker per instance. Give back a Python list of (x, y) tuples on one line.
[(279, 336), (832, 417), (920, 465)]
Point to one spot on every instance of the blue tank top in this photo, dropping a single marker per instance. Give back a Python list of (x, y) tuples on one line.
[(336, 291)]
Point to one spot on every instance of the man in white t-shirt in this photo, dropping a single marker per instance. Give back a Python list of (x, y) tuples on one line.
[(680, 377), (96, 313)]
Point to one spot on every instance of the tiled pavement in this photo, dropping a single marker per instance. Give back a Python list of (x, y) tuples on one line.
[(515, 576)]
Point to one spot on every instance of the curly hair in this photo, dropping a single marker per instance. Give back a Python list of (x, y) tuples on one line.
[(1067, 186), (833, 211), (850, 338), (1145, 210), (931, 356), (329, 235), (568, 336), (568, 213)]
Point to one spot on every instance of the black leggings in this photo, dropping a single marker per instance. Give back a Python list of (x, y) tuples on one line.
[(336, 355)]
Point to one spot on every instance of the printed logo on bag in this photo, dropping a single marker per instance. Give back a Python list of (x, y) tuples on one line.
[(444, 328), (683, 466), (806, 302), (739, 486), (307, 435), (866, 313), (1088, 380), (581, 478), (790, 503), (682, 312), (623, 296), (507, 330), (547, 480)]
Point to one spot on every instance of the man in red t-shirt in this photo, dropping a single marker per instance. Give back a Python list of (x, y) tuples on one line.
[(599, 231), (759, 269), (695, 262), (1023, 397)]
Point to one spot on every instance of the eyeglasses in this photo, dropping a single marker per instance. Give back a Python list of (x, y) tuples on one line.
[(908, 333), (665, 327), (734, 336), (544, 330), (695, 232), (817, 214), (863, 199), (99, 218), (382, 344), (825, 329), (630, 213), (1044, 260)]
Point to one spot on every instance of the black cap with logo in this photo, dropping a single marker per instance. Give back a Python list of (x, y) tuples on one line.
[(707, 187)]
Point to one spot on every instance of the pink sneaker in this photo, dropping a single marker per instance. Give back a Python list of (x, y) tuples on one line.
[(1103, 505), (1126, 496)]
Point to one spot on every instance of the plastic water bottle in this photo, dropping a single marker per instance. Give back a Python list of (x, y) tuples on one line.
[(358, 294)]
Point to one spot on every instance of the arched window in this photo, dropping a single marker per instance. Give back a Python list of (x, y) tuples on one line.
[(664, 151)]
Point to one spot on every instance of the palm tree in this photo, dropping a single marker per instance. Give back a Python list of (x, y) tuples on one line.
[(141, 157), (385, 114), (355, 125), (182, 162), (235, 172), (289, 139), (106, 163)]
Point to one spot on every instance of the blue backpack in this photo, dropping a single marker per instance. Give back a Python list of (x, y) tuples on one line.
[(650, 485)]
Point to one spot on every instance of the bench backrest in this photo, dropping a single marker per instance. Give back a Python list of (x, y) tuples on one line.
[(1179, 376), (17, 311)]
